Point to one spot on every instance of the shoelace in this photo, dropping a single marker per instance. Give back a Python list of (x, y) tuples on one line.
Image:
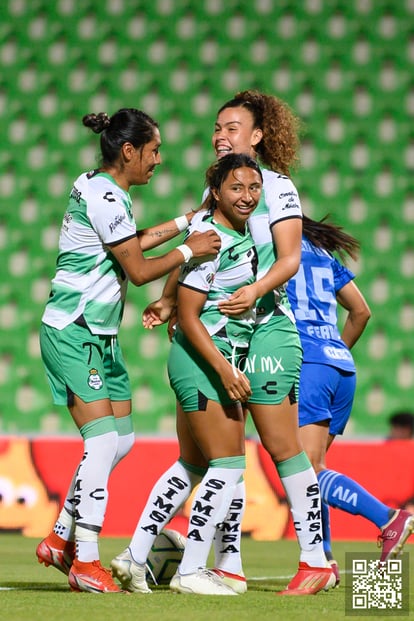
[(207, 573), (97, 565)]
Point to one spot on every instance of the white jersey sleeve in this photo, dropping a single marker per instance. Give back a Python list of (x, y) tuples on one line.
[(198, 274), (281, 197), (109, 211)]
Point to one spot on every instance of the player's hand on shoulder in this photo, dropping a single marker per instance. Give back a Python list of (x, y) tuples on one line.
[(204, 244)]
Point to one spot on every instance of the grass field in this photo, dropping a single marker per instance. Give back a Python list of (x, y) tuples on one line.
[(29, 591)]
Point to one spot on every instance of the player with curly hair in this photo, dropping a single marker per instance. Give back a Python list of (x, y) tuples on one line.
[(265, 127)]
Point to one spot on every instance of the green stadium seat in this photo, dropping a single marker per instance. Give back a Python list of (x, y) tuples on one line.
[(344, 69)]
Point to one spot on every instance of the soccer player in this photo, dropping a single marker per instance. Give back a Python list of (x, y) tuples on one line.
[(264, 127), (100, 250), (204, 370), (328, 376)]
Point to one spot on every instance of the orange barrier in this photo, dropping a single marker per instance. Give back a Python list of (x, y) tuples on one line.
[(35, 474)]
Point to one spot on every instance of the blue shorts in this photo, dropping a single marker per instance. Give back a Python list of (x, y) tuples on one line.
[(326, 393)]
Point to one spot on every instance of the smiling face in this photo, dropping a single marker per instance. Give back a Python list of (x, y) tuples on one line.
[(234, 132), (237, 197), (145, 159)]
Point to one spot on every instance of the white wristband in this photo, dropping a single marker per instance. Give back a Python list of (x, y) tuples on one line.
[(181, 223), (186, 251)]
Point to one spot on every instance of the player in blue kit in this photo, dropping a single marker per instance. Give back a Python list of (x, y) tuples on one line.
[(328, 376)]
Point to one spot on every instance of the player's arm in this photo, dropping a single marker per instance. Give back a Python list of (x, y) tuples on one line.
[(287, 237), (155, 235), (161, 311), (351, 298), (189, 305), (141, 270)]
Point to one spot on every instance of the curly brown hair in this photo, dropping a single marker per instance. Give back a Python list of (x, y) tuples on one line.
[(278, 149)]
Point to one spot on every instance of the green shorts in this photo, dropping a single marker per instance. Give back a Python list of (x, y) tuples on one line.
[(88, 365), (274, 361), (193, 380)]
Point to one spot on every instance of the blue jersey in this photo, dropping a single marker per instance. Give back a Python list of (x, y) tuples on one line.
[(312, 295)]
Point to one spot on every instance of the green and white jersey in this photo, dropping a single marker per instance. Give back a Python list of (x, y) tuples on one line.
[(279, 201), (234, 267), (89, 281)]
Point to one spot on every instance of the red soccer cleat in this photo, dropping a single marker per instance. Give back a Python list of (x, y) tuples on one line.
[(310, 580), (394, 534), (55, 551), (91, 577), (335, 569)]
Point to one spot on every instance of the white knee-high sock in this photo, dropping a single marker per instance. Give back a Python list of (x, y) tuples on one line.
[(126, 437), (168, 494), (227, 540), (91, 480), (65, 523), (303, 494), (210, 507)]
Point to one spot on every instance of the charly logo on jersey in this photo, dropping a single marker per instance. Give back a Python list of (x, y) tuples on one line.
[(233, 257), (94, 380), (109, 196)]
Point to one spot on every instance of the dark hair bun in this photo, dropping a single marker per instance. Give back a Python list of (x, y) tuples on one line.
[(97, 122)]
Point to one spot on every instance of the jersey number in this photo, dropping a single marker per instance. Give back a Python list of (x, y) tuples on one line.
[(327, 301)]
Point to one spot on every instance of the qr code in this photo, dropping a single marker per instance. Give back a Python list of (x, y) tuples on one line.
[(377, 587)]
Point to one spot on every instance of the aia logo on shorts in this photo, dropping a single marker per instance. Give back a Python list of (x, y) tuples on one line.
[(94, 381)]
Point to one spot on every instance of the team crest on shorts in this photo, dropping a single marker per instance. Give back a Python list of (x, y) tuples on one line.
[(94, 380)]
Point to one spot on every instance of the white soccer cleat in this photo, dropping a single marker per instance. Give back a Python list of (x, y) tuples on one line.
[(130, 574), (237, 582), (203, 582)]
